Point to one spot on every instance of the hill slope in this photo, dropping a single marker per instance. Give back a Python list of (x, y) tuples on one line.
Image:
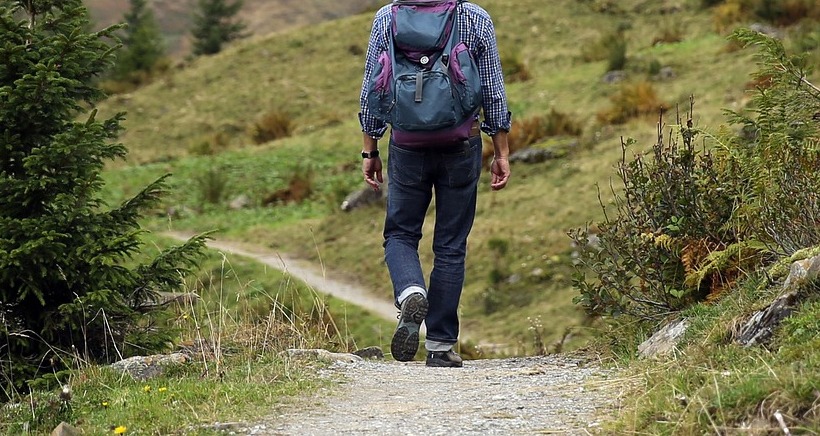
[(261, 16), (314, 75)]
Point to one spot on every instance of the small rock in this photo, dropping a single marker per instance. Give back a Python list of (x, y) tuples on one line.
[(664, 340), (766, 29), (613, 77), (320, 355), (65, 429), (240, 202), (666, 73), (143, 368), (370, 353), (532, 155)]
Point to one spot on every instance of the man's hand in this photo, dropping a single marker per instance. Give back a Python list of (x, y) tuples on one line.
[(500, 170), (372, 169)]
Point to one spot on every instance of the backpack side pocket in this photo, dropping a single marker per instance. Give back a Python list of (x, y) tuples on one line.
[(467, 82), (380, 92)]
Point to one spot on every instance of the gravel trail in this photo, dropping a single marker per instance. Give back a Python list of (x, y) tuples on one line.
[(554, 394), (514, 396)]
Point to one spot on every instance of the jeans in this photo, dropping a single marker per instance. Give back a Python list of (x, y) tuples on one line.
[(451, 173)]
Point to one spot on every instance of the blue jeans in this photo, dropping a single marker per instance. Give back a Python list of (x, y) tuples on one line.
[(415, 174)]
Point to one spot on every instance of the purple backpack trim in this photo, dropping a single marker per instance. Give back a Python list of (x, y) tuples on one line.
[(426, 139)]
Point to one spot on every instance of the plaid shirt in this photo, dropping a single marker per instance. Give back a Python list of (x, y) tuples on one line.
[(477, 32)]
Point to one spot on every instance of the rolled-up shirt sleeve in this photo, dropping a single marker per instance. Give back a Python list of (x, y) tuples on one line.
[(496, 113), (376, 45)]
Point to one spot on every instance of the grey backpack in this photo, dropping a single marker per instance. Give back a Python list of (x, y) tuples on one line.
[(426, 85)]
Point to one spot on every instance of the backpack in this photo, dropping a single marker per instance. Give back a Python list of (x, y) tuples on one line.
[(426, 85)]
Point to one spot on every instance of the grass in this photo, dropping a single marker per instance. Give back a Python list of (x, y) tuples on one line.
[(713, 386), (246, 315), (229, 91), (530, 304)]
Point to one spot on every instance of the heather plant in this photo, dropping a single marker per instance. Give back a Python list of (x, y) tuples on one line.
[(71, 285)]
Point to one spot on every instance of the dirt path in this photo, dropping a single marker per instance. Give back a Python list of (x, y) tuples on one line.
[(516, 396), (314, 276)]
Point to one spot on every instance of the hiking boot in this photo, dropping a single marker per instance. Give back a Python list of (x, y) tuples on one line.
[(405, 341), (444, 359)]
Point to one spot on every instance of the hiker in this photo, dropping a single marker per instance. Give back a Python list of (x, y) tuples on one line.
[(458, 72)]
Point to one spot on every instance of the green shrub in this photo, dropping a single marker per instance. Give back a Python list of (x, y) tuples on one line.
[(210, 144), (689, 223), (779, 165), (70, 288), (213, 186), (610, 47), (673, 207)]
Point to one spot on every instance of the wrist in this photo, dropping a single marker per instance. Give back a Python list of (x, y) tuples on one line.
[(370, 154)]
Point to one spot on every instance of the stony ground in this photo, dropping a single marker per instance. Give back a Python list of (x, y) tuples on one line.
[(516, 396)]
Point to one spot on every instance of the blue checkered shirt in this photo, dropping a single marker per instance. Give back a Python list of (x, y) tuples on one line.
[(478, 33)]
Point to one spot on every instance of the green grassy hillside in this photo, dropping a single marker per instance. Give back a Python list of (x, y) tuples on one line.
[(313, 75), (260, 16)]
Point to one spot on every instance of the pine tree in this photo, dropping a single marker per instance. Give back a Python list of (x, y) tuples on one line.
[(65, 288), (214, 25), (143, 46)]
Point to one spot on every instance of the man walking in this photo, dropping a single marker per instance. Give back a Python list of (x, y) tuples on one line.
[(448, 170)]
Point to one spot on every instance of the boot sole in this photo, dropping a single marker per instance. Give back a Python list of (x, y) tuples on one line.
[(405, 342)]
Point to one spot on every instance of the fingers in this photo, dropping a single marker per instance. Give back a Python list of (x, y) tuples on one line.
[(500, 170), (499, 181)]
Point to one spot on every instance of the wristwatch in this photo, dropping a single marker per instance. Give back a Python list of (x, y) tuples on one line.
[(370, 155)]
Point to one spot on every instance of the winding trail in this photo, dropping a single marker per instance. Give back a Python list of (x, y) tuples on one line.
[(317, 278)]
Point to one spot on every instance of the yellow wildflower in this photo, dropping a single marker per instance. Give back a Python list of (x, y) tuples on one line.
[(163, 389), (120, 429), (105, 403), (146, 388)]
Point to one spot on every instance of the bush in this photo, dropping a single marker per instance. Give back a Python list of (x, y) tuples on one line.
[(272, 126), (689, 222), (208, 145), (531, 130), (213, 186), (673, 211), (632, 100), (786, 12), (726, 15), (779, 165), (779, 12), (610, 47)]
